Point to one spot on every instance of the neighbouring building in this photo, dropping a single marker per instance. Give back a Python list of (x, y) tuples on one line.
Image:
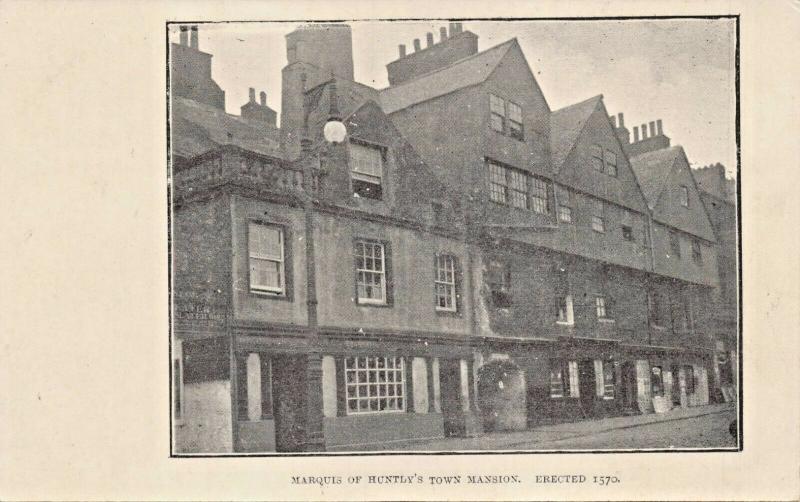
[(462, 259)]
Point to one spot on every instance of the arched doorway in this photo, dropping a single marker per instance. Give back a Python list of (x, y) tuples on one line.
[(501, 394)]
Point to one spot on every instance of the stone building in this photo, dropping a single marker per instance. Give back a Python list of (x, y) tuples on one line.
[(456, 258)]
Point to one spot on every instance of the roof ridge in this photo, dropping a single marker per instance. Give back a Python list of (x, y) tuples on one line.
[(596, 97), (454, 63)]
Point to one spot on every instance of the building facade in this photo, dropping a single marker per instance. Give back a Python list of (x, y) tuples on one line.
[(463, 259)]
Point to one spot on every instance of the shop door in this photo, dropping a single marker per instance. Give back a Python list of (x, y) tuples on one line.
[(587, 385), (452, 407), (628, 385)]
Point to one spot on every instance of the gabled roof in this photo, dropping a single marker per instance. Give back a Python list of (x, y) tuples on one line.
[(197, 128), (466, 72), (652, 169), (566, 125)]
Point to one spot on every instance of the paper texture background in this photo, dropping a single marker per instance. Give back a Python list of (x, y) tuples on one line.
[(84, 355)]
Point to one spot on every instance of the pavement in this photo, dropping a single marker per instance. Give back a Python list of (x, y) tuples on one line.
[(695, 427)]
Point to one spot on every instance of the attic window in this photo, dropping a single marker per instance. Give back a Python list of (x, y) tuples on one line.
[(506, 117), (684, 196), (366, 171), (611, 163)]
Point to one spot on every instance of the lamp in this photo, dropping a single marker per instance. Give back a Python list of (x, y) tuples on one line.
[(334, 130)]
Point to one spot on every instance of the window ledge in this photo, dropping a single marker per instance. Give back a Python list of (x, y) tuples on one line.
[(606, 320), (565, 323), (270, 296), (368, 304), (448, 313)]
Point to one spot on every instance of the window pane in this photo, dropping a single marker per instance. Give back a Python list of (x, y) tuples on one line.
[(515, 112), (366, 160), (565, 214), (370, 270), (374, 394), (497, 105), (518, 183), (265, 241), (497, 183), (265, 274), (611, 163), (539, 196), (597, 152)]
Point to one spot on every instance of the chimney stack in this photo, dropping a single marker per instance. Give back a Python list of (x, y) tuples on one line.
[(635, 134), (252, 95), (184, 35), (429, 38), (452, 28), (442, 34), (644, 131), (621, 120), (653, 129), (402, 48), (658, 126), (193, 39), (458, 27), (416, 45), (263, 97)]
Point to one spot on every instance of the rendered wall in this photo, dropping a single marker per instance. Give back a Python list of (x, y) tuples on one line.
[(206, 424)]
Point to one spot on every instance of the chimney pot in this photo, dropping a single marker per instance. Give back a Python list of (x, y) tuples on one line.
[(621, 120), (658, 126), (442, 34), (652, 129), (263, 97), (252, 95), (429, 38), (184, 35), (402, 48), (193, 42), (613, 121), (644, 131), (416, 45), (635, 134)]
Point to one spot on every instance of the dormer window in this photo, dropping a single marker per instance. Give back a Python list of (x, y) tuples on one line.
[(684, 196), (366, 171), (506, 117)]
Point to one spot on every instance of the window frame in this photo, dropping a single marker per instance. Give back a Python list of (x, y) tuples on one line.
[(399, 391), (285, 268), (362, 177), (607, 163), (598, 220), (658, 303), (596, 152), (569, 312), (495, 114), (564, 196), (493, 182), (386, 280), (540, 195), (503, 123), (451, 286), (601, 308), (504, 292), (684, 195), (517, 132)]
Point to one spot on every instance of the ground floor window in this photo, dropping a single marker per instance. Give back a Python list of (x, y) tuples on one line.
[(657, 381), (375, 384), (688, 372), (609, 380), (563, 378)]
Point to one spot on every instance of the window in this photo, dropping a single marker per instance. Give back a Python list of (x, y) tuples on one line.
[(515, 121), (683, 312), (656, 381), (684, 196), (611, 163), (602, 307), (253, 386), (177, 381), (370, 272), (697, 255), (564, 204), (539, 196), (559, 378), (498, 111), (675, 244), (564, 313), (506, 117), (265, 245), (445, 283), (597, 158), (498, 188), (627, 233), (609, 380), (499, 281), (518, 184), (366, 170), (437, 214), (657, 308), (598, 222), (374, 384)]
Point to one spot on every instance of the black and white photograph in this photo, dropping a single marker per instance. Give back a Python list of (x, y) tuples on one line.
[(469, 235)]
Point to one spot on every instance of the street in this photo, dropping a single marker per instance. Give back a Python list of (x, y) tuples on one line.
[(697, 427)]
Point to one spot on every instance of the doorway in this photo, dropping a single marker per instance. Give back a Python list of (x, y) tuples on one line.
[(452, 407), (628, 386), (587, 386), (287, 386)]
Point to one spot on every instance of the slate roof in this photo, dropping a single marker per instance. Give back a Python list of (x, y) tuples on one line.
[(652, 169), (197, 128), (466, 72), (566, 125)]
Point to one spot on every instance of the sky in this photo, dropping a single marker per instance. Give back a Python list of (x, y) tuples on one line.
[(680, 71)]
